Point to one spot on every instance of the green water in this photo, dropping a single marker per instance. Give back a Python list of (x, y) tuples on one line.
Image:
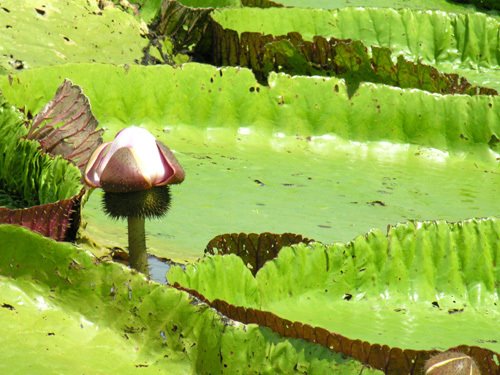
[(323, 188)]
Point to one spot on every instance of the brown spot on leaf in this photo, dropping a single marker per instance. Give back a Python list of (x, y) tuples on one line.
[(377, 203), (8, 306)]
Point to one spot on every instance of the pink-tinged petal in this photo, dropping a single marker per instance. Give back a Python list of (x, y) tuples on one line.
[(133, 161), (92, 177), (144, 145), (125, 138), (174, 173), (123, 173)]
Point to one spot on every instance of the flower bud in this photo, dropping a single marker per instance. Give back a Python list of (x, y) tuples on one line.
[(134, 161)]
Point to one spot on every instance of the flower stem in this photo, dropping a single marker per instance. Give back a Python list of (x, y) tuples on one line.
[(138, 258)]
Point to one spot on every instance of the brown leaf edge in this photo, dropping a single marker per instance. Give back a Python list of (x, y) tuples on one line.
[(185, 26), (59, 220), (327, 56), (255, 249), (392, 361), (66, 126), (193, 31)]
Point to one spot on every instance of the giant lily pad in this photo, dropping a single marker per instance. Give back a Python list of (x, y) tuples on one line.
[(37, 190), (342, 58), (186, 21), (297, 155), (59, 304), (298, 46), (453, 6), (373, 159), (145, 9), (304, 42), (419, 287), (41, 32), (466, 44)]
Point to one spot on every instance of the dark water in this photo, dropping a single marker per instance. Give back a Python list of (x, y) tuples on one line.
[(158, 268)]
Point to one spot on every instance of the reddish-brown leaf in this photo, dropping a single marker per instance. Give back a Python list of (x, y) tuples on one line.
[(66, 126)]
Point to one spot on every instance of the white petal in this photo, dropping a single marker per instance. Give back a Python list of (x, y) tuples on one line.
[(143, 145)]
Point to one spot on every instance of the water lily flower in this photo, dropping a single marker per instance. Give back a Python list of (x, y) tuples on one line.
[(135, 171), (134, 161)]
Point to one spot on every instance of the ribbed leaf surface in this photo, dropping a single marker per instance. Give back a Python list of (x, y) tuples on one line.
[(40, 192), (271, 158), (72, 313), (388, 299), (67, 127), (465, 43)]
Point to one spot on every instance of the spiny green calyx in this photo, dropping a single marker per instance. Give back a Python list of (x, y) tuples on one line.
[(150, 203)]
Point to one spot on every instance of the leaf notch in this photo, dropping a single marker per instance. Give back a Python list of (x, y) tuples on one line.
[(255, 249)]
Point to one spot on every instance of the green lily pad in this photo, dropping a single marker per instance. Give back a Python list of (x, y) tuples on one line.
[(464, 44), (297, 156), (48, 32), (64, 305), (420, 286), (227, 3), (226, 38), (39, 184), (260, 158), (37, 190), (443, 5), (144, 9), (211, 3), (330, 57)]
